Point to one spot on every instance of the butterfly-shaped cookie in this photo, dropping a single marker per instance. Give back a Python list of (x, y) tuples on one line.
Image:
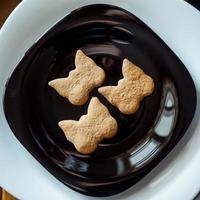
[(91, 128), (130, 91), (81, 81)]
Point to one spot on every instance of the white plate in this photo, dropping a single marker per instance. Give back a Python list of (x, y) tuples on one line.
[(177, 23)]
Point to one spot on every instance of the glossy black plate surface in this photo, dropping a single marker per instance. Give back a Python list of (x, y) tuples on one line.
[(108, 35)]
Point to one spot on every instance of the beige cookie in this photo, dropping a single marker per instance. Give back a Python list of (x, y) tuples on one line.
[(130, 91), (81, 81), (91, 128)]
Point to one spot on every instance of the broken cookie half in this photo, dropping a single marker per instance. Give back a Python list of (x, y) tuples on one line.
[(131, 90), (91, 128), (81, 81)]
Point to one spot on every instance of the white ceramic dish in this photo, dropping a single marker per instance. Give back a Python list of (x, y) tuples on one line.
[(177, 176)]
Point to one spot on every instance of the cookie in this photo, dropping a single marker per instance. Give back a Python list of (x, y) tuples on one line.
[(131, 90), (91, 128), (81, 81)]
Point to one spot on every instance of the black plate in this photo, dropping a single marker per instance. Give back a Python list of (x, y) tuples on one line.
[(108, 34)]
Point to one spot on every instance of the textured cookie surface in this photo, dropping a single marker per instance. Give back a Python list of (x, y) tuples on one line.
[(91, 128), (130, 91), (81, 81)]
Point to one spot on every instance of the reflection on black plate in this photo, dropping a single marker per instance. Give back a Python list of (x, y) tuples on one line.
[(108, 35)]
